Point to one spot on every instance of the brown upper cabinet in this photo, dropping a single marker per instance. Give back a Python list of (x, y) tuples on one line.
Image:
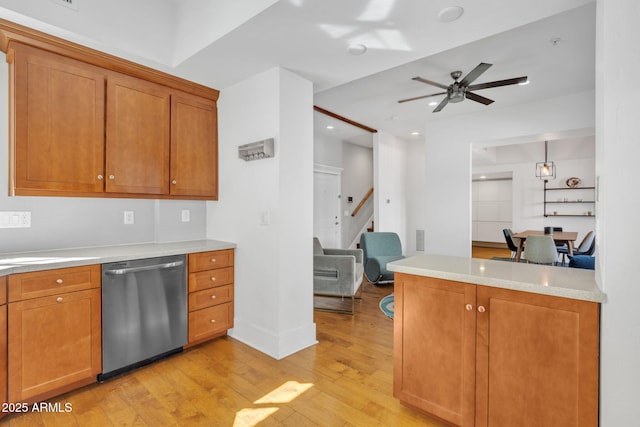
[(87, 124), (58, 112), (137, 148)]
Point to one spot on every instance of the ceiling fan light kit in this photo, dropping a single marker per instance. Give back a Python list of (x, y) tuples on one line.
[(459, 90)]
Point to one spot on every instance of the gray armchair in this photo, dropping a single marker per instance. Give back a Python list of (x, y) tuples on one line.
[(337, 273)]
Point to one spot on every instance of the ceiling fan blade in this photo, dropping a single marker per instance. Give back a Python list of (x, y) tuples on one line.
[(499, 83), (481, 99), (429, 82), (421, 97), (440, 106), (475, 73)]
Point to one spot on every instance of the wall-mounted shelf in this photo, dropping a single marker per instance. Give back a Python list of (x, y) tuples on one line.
[(570, 199)]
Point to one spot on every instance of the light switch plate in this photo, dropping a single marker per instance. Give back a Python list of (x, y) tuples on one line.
[(15, 219)]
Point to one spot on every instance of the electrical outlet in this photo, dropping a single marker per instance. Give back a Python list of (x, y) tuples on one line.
[(129, 217), (186, 215)]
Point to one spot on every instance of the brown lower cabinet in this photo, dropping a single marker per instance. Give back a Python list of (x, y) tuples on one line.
[(54, 334), (481, 356), (210, 295)]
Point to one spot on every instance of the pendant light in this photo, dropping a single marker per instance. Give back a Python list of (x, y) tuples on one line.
[(546, 170)]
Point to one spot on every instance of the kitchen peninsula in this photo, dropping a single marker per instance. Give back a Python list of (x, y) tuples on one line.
[(490, 343)]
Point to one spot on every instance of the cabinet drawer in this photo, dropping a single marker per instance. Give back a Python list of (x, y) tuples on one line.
[(210, 321), (210, 297), (50, 282), (210, 278), (208, 260)]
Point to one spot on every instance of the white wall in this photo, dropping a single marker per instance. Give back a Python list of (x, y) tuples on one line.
[(617, 154), (492, 209), (448, 159), (274, 264), (390, 183), (415, 187)]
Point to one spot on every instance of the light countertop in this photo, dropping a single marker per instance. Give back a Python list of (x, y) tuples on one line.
[(565, 282), (45, 260)]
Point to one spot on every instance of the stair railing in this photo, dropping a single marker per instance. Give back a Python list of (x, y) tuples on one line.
[(362, 202)]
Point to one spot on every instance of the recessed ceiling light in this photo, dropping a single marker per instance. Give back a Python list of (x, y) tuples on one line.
[(330, 127), (433, 103), (415, 133), (357, 49), (450, 14)]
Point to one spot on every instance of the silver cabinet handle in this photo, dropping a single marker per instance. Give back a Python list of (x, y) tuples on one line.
[(144, 268), (174, 182), (100, 177), (112, 177), (468, 307), (481, 309), (213, 297), (59, 281), (213, 320), (59, 299)]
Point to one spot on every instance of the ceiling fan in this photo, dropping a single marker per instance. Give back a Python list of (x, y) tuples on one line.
[(459, 90)]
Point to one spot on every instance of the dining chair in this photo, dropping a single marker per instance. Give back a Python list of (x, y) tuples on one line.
[(541, 250), (586, 247), (508, 237)]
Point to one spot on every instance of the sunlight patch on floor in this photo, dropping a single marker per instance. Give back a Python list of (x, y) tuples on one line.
[(285, 393)]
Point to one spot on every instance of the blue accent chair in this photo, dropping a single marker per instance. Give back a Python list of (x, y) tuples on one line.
[(582, 261), (379, 248)]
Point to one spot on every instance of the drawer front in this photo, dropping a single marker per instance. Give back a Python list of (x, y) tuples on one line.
[(51, 282), (207, 260), (210, 321), (210, 297), (210, 278)]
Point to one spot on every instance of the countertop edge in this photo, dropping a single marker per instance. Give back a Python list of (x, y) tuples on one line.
[(25, 262), (513, 284)]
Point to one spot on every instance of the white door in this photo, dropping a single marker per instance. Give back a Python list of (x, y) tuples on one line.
[(326, 208)]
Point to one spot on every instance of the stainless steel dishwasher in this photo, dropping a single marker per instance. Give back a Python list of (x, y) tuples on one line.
[(144, 312)]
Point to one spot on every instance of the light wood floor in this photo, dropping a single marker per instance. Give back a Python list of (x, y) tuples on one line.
[(488, 253), (344, 380)]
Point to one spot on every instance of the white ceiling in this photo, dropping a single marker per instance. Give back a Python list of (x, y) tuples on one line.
[(222, 42)]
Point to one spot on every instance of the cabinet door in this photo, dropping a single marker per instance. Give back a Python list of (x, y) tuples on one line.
[(54, 344), (194, 146), (137, 147), (537, 360), (58, 140), (434, 346)]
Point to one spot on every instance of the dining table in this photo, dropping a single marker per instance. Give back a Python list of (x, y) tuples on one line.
[(560, 238)]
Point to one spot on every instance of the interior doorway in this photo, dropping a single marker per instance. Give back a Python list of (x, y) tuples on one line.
[(327, 224), (343, 151)]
